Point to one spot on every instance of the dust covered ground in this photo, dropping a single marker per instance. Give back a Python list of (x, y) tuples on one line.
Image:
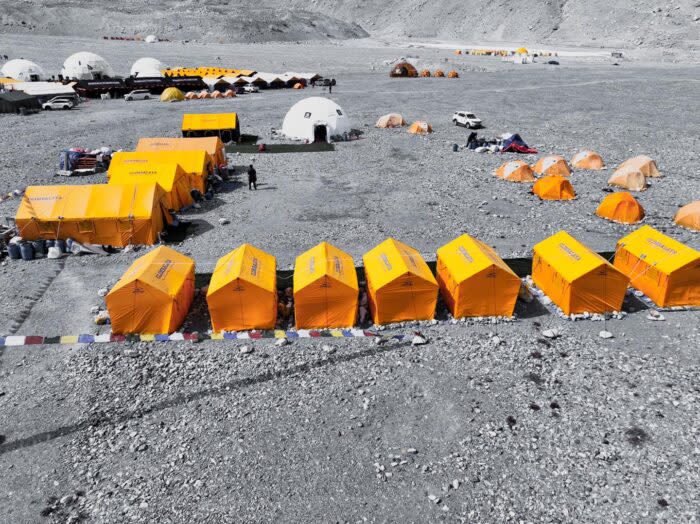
[(485, 423)]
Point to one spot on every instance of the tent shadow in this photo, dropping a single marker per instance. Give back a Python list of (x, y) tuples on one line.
[(632, 304), (532, 309), (187, 229), (207, 206)]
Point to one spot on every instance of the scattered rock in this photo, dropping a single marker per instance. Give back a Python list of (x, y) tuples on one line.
[(605, 334), (245, 350)]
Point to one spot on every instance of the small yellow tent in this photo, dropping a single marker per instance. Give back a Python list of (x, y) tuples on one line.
[(620, 207), (390, 120), (554, 188), (172, 94), (515, 171), (552, 165), (197, 164), (242, 293), (325, 288), (689, 216), (521, 51), (577, 279), (114, 215), (400, 285), (211, 144), (420, 128), (641, 163), (588, 160), (474, 281), (154, 295), (170, 177), (667, 271)]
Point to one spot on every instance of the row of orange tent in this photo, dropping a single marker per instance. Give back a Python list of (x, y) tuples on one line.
[(155, 293), (193, 95), (391, 120), (439, 73), (408, 70)]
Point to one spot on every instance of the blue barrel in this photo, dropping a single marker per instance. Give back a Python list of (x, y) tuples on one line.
[(69, 245), (26, 250), (455, 147), (39, 248), (61, 245), (13, 251)]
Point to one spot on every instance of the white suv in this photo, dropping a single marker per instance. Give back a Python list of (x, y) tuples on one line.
[(466, 119), (251, 88), (58, 103), (138, 94)]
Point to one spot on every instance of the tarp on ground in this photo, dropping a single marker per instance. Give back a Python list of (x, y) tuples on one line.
[(115, 215), (325, 288), (665, 270), (169, 176), (154, 295), (515, 144), (620, 207), (400, 285), (242, 293), (197, 164), (211, 144), (577, 279), (474, 281)]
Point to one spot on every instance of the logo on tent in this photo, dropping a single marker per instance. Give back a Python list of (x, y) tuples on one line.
[(254, 267), (164, 269), (658, 244), (466, 255), (385, 259), (569, 252)]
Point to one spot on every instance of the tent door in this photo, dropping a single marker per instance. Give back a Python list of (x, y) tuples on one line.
[(320, 133)]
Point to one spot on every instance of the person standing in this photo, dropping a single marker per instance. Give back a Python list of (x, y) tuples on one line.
[(252, 178)]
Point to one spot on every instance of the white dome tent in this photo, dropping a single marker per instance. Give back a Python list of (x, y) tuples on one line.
[(315, 119), (86, 66), (151, 39), (23, 70), (146, 66)]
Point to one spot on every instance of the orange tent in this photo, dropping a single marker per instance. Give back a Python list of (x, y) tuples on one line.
[(242, 292), (190, 95), (577, 279), (628, 178), (641, 163), (325, 288), (689, 216), (425, 73), (439, 73), (229, 94), (666, 271), (299, 85), (453, 74), (390, 120), (554, 188), (211, 144), (113, 215), (552, 165), (169, 176), (217, 94), (154, 295), (588, 160), (403, 69), (474, 281), (420, 128), (457, 51), (515, 171), (621, 207), (400, 285)]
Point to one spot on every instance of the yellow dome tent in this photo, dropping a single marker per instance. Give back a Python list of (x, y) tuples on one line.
[(588, 160), (325, 288), (552, 165), (420, 128), (390, 120), (169, 176), (641, 163), (665, 270), (242, 292), (521, 51), (628, 178), (211, 144), (474, 281), (400, 285), (620, 207), (577, 279), (689, 216), (515, 171), (112, 215), (554, 188), (154, 295), (171, 94), (197, 164)]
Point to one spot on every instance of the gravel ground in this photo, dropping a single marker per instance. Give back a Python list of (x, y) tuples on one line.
[(464, 428)]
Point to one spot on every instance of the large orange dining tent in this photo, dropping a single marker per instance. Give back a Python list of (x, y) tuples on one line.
[(154, 295), (211, 144), (474, 281), (326, 291), (400, 285), (242, 293), (170, 177)]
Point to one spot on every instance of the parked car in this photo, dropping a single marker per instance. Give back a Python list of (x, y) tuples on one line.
[(250, 88), (58, 103), (466, 119), (138, 94)]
